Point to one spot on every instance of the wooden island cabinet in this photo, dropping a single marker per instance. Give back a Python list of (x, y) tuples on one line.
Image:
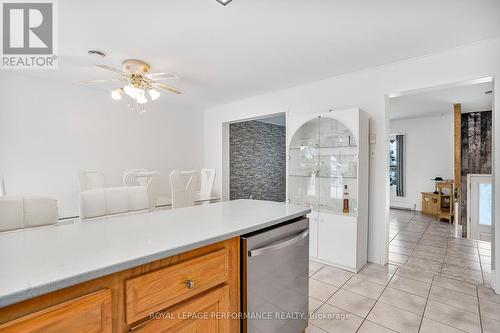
[(195, 291)]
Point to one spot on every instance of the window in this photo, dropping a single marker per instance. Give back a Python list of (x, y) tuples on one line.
[(485, 204), (393, 162), (396, 163)]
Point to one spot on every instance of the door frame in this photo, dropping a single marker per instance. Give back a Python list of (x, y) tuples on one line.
[(469, 190)]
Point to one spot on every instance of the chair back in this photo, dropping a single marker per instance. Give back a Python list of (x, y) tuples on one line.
[(142, 177), (445, 187), (27, 212), (445, 200), (207, 183), (128, 177), (91, 179), (183, 185)]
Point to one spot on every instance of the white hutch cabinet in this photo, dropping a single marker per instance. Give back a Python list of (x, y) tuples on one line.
[(327, 151)]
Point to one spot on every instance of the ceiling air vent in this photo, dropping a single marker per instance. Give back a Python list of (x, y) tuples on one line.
[(97, 53)]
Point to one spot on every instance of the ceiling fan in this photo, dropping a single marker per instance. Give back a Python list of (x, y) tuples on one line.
[(137, 79)]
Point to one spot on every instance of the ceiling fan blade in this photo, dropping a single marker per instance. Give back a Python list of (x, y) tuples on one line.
[(167, 88), (160, 76), (112, 69), (101, 81)]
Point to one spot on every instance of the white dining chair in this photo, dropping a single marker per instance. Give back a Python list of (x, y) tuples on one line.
[(90, 179), (20, 212), (133, 170), (207, 183), (183, 185), (104, 201), (142, 177)]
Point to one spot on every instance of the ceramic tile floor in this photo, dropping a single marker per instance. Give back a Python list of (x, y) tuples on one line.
[(423, 243), (433, 283)]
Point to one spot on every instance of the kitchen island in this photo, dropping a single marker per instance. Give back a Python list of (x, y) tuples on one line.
[(116, 272)]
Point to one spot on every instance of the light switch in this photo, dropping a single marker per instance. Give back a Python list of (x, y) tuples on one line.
[(373, 138)]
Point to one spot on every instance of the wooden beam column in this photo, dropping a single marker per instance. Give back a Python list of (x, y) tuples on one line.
[(457, 120)]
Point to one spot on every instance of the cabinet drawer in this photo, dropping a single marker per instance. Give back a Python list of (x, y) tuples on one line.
[(165, 287), (90, 313), (206, 313)]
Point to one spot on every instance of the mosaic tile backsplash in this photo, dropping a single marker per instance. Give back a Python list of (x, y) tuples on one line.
[(257, 161)]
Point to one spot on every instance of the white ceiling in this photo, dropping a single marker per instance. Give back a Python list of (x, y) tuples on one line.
[(435, 102), (251, 47)]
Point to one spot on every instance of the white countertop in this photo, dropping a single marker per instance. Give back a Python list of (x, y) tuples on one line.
[(166, 200), (38, 261)]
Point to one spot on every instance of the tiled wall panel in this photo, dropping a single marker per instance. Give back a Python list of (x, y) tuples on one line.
[(476, 152), (257, 161)]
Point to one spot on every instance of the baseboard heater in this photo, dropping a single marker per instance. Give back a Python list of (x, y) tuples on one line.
[(403, 206)]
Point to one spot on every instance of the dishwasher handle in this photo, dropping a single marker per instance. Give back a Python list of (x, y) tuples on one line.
[(279, 245)]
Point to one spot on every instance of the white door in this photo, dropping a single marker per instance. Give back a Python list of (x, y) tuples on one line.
[(337, 238), (479, 213)]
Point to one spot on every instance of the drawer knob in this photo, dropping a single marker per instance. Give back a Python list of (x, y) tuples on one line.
[(189, 284)]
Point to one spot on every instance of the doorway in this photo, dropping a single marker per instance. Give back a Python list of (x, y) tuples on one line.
[(256, 159), (444, 134)]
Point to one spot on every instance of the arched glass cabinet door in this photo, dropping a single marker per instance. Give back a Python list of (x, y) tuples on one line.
[(303, 165), (323, 158)]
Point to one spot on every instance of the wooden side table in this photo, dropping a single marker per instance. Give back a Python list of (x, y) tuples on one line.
[(430, 203), (439, 204)]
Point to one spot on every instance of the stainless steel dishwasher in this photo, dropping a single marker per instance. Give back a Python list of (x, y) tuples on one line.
[(275, 283)]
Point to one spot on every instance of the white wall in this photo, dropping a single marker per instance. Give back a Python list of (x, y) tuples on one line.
[(50, 130), (429, 153), (367, 90)]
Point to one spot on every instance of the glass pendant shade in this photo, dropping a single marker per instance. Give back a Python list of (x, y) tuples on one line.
[(117, 94), (142, 100), (135, 93), (154, 94)]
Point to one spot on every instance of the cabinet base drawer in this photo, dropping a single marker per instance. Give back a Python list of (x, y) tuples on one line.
[(206, 313), (165, 287), (90, 313)]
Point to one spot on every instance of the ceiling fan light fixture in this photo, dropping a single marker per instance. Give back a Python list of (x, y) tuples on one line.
[(137, 79), (117, 94), (224, 2), (154, 94)]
